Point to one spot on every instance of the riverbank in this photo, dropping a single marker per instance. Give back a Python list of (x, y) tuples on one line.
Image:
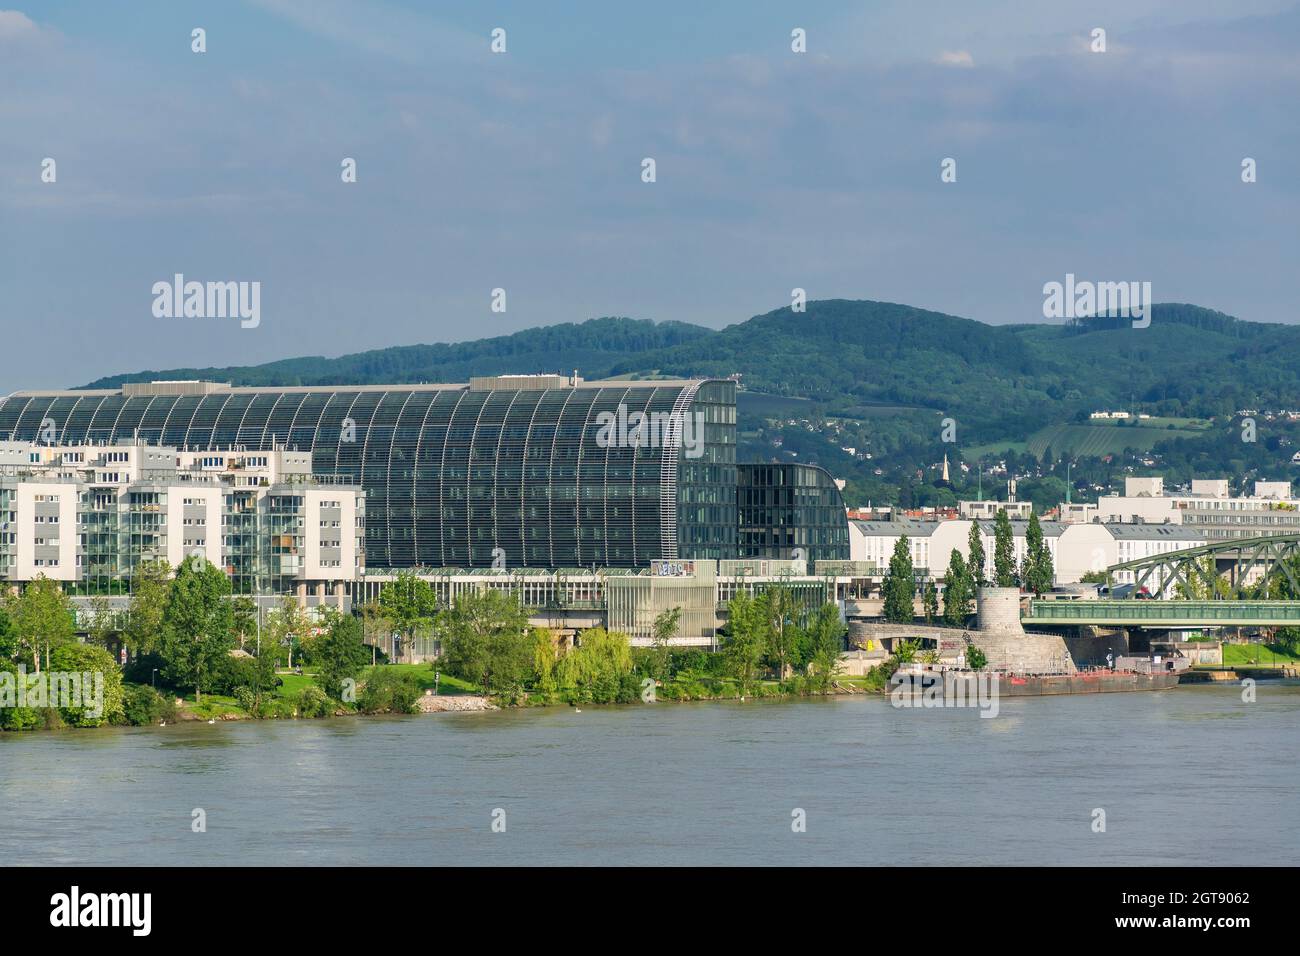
[(427, 690), (706, 783)]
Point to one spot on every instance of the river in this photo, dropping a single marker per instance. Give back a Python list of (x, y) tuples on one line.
[(1187, 776)]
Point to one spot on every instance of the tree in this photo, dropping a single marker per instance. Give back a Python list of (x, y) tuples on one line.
[(265, 662), (408, 603), (101, 623), (43, 618), (975, 546), (544, 659), (77, 662), (13, 717), (1039, 574), (1204, 583), (150, 591), (778, 607), (958, 588), (389, 690), (197, 624), (1004, 554), (665, 628), (900, 584), (596, 668), (286, 626), (486, 639), (976, 659), (930, 602), (825, 640), (339, 654), (375, 623), (244, 618), (8, 635), (746, 640), (905, 651)]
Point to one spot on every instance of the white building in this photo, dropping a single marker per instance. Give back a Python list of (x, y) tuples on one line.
[(88, 515), (1077, 512), (1076, 549), (932, 542), (989, 509), (1207, 508)]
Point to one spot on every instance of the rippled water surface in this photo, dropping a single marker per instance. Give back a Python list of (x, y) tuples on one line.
[(1191, 775)]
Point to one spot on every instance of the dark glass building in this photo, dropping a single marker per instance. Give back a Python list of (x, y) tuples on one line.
[(784, 506), (520, 470)]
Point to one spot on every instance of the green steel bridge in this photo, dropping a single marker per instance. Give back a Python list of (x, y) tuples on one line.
[(1209, 581), (1164, 614), (1219, 571)]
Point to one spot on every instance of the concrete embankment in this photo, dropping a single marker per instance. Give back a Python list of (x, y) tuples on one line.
[(459, 703)]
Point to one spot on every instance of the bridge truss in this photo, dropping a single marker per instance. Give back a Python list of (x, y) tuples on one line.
[(1234, 561)]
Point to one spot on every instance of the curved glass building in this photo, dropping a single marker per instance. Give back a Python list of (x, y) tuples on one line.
[(527, 470), (785, 506)]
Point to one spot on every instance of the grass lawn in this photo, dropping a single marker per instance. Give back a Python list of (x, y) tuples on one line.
[(424, 674), (1258, 655), (293, 684)]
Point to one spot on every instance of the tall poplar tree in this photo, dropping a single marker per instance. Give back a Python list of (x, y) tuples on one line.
[(1039, 573), (1004, 553), (958, 589), (977, 556), (900, 584)]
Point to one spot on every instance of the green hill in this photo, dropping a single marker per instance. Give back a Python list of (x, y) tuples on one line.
[(891, 373)]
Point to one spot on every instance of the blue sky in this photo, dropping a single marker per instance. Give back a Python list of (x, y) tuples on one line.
[(522, 170)]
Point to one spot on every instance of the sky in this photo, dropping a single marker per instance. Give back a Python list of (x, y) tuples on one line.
[(523, 170)]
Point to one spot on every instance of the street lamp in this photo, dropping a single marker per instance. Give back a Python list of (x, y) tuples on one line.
[(153, 678)]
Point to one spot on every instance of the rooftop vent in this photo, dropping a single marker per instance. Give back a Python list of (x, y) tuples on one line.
[(177, 387), (488, 383)]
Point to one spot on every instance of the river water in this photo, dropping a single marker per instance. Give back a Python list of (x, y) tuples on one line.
[(1187, 776)]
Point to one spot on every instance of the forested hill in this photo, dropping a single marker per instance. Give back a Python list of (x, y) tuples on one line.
[(842, 354), (592, 347)]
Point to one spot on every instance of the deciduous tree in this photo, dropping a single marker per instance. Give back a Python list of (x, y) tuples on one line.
[(197, 624)]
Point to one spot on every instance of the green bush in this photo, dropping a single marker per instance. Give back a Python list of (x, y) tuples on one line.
[(13, 717), (140, 669), (86, 659), (389, 692), (246, 699), (230, 674), (144, 706), (314, 702)]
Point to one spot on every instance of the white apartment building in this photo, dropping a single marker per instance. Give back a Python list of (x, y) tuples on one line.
[(1207, 508), (1077, 512), (932, 542), (989, 509), (88, 515), (1076, 549)]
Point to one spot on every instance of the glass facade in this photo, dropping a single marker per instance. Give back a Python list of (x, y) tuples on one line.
[(783, 506), (454, 476)]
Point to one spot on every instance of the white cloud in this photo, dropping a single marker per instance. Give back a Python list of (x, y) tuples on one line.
[(15, 23), (377, 29), (955, 58)]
